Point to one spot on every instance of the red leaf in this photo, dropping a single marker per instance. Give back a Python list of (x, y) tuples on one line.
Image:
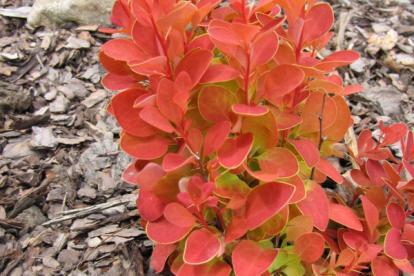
[(247, 110), (396, 215), (328, 169), (201, 246), (361, 178), (149, 206), (117, 82), (163, 231), (266, 200), (308, 150), (219, 73), (309, 247), (149, 176), (313, 108), (166, 91), (315, 205), (223, 35), (153, 116), (276, 223), (264, 129), (249, 259), (298, 226), (337, 59), (408, 167), (174, 161), (285, 120), (375, 172), (123, 49), (281, 80), (371, 214), (275, 163), (318, 21), (149, 67), (114, 66), (236, 229), (130, 174), (352, 89), (263, 49), (404, 265), (145, 100), (215, 137), (340, 126), (382, 266), (145, 38), (195, 64), (213, 268), (345, 216), (214, 103), (234, 150), (160, 254), (392, 245), (179, 215), (145, 147), (201, 41), (128, 116), (408, 233), (195, 139)]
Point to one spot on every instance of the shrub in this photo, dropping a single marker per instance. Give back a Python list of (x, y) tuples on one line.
[(230, 115)]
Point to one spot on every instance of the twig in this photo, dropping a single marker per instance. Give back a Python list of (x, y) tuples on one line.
[(320, 117), (344, 19), (110, 236), (78, 213)]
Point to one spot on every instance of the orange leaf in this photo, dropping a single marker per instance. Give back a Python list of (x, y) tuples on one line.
[(309, 247), (249, 259), (201, 246), (145, 147), (345, 216), (266, 200), (307, 150), (234, 150)]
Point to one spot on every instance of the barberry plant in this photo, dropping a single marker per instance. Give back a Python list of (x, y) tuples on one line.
[(230, 114)]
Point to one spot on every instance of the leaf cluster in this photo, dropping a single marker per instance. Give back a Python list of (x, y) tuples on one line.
[(230, 115)]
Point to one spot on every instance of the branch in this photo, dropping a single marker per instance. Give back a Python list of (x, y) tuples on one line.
[(320, 117)]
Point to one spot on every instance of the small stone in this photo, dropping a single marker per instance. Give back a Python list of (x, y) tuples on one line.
[(95, 98), (67, 91), (76, 43), (87, 192), (69, 256), (56, 195), (78, 88), (43, 138), (18, 271), (103, 249), (59, 105), (358, 66), (80, 224), (107, 185), (51, 95), (85, 35), (46, 42), (29, 177), (93, 242), (32, 217), (17, 150), (50, 262), (114, 210), (380, 27)]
